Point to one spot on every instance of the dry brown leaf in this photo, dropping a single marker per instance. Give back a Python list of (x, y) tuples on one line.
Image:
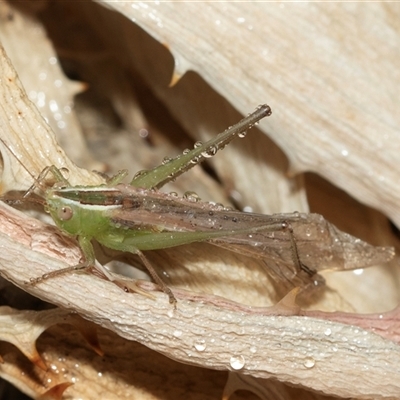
[(309, 356)]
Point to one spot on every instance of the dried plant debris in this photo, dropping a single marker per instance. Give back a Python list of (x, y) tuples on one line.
[(341, 353), (22, 328)]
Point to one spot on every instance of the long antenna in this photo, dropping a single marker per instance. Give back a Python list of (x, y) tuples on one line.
[(37, 181), (16, 157)]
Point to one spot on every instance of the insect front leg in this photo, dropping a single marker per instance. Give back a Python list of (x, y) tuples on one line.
[(52, 169)]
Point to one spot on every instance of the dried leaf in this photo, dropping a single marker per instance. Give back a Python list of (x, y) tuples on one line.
[(32, 55), (208, 330), (22, 328)]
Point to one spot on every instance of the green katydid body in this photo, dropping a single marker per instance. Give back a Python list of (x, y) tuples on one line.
[(126, 218), (131, 219)]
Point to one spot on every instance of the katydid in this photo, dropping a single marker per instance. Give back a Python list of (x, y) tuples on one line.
[(138, 217)]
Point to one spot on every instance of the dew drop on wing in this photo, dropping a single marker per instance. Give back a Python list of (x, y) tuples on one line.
[(191, 196)]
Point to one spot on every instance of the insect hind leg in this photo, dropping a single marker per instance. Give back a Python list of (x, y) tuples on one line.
[(295, 252), (156, 277)]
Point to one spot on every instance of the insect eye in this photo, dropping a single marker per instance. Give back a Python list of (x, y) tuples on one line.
[(65, 213)]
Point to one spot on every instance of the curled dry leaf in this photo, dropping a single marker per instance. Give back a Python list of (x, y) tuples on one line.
[(206, 330), (56, 392), (43, 80), (22, 328)]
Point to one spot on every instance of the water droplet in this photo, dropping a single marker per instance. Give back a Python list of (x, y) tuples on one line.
[(191, 196), (140, 173), (237, 362), (309, 362), (358, 271), (197, 145), (200, 345), (195, 160), (253, 349), (173, 194), (166, 160), (328, 331), (219, 206), (210, 152), (170, 313), (242, 135), (143, 133), (186, 151), (166, 274)]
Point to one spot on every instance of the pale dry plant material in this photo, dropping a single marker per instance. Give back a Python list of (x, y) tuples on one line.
[(141, 319), (345, 90)]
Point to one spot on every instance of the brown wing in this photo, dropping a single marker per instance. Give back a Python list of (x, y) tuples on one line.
[(320, 244)]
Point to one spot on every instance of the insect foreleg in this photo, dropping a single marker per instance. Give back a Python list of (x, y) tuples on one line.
[(52, 169), (53, 274), (88, 252)]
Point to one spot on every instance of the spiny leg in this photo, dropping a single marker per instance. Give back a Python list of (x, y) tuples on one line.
[(123, 284), (58, 272), (285, 226), (171, 169), (156, 278), (52, 169), (89, 257), (295, 252)]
